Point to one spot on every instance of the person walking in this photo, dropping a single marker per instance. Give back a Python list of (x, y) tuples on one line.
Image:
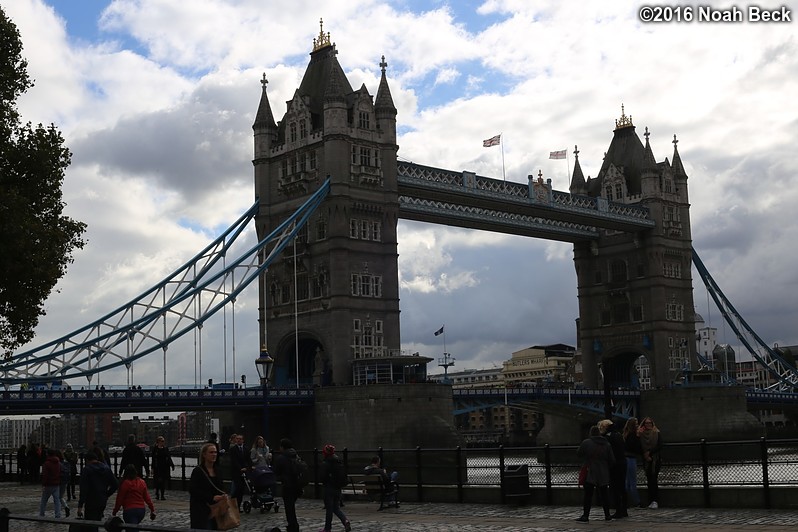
[(259, 455), (597, 455), (333, 477), (33, 460), (284, 470), (22, 463), (72, 459), (132, 497), (611, 431), (632, 452), (64, 484), (97, 483), (239, 465), (162, 467), (133, 454), (651, 445), (51, 482), (205, 488)]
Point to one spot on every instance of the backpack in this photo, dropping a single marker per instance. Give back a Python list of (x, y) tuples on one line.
[(299, 470), (336, 474)]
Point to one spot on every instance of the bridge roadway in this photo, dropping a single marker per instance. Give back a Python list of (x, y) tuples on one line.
[(179, 398)]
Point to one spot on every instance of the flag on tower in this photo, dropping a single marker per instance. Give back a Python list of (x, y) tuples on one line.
[(557, 154), (439, 331), (493, 141)]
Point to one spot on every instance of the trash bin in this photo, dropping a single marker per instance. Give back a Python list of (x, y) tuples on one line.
[(515, 483)]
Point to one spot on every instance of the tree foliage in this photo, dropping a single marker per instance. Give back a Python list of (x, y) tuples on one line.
[(36, 239)]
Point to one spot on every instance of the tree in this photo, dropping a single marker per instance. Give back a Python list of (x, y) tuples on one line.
[(36, 239)]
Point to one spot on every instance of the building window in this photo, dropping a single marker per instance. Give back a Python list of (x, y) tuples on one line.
[(302, 162), (620, 312), (356, 325), (302, 287), (618, 271), (674, 311), (303, 129), (376, 231), (608, 191), (378, 326), (672, 269), (292, 131), (321, 229), (353, 228), (366, 285), (364, 230), (284, 168), (285, 293), (637, 312), (312, 161), (606, 317), (668, 186), (597, 276), (363, 120), (354, 154), (365, 156), (618, 191)]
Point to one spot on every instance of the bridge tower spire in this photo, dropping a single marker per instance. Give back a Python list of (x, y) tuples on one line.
[(337, 296)]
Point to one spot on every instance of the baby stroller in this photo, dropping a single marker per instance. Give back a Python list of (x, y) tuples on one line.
[(261, 482)]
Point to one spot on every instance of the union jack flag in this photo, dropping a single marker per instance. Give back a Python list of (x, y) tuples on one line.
[(493, 141)]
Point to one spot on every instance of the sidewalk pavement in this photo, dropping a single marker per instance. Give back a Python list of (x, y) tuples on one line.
[(433, 517)]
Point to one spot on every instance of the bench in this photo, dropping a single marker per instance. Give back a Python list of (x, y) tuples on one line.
[(372, 488)]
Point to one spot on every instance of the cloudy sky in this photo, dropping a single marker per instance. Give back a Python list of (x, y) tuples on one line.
[(156, 99)]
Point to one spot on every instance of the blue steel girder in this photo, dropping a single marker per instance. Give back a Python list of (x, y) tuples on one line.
[(162, 314)]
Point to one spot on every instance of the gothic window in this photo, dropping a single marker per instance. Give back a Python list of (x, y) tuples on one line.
[(321, 228), (363, 120), (376, 286), (295, 165), (608, 191), (302, 162), (618, 271), (606, 316), (302, 289), (378, 326), (668, 186), (637, 312), (365, 285), (355, 284), (353, 228), (276, 292), (302, 234), (303, 129), (618, 191), (376, 231), (284, 168), (674, 311), (641, 267), (365, 156), (356, 325), (364, 230), (292, 131), (354, 154), (312, 162), (318, 286), (672, 269), (620, 312), (285, 293)]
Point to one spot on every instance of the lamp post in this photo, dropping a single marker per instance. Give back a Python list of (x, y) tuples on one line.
[(264, 365)]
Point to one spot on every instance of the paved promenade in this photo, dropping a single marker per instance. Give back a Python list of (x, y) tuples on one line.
[(433, 517)]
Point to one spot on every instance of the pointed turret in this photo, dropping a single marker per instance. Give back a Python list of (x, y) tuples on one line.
[(383, 103), (678, 168), (649, 162), (578, 184), (264, 127), (650, 174)]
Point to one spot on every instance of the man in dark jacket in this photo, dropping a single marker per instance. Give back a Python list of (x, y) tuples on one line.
[(97, 483), (285, 472), (597, 455), (133, 454), (239, 465)]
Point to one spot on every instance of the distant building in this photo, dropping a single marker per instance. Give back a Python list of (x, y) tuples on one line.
[(16, 432), (539, 365)]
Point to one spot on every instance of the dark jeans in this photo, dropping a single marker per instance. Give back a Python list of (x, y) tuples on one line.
[(289, 504), (332, 505), (160, 485), (652, 478), (604, 495), (618, 487)]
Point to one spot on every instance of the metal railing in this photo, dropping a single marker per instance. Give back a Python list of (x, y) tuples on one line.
[(751, 463)]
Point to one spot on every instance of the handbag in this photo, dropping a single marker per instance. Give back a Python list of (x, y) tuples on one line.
[(583, 474), (225, 513)]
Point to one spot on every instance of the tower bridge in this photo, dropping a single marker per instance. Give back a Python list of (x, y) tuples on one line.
[(330, 189)]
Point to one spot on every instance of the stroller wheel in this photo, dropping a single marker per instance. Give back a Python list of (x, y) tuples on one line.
[(247, 506)]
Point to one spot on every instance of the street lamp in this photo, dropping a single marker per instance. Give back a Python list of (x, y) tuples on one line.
[(264, 365)]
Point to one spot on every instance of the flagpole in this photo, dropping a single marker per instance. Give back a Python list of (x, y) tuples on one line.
[(567, 169), (501, 145)]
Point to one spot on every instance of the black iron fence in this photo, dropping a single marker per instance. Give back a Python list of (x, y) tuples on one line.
[(762, 464)]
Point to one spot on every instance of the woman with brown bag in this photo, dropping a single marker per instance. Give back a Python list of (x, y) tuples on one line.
[(205, 488)]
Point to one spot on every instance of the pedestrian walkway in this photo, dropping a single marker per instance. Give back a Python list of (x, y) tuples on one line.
[(437, 517)]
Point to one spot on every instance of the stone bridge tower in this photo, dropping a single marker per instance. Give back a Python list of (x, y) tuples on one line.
[(341, 284), (636, 312)]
